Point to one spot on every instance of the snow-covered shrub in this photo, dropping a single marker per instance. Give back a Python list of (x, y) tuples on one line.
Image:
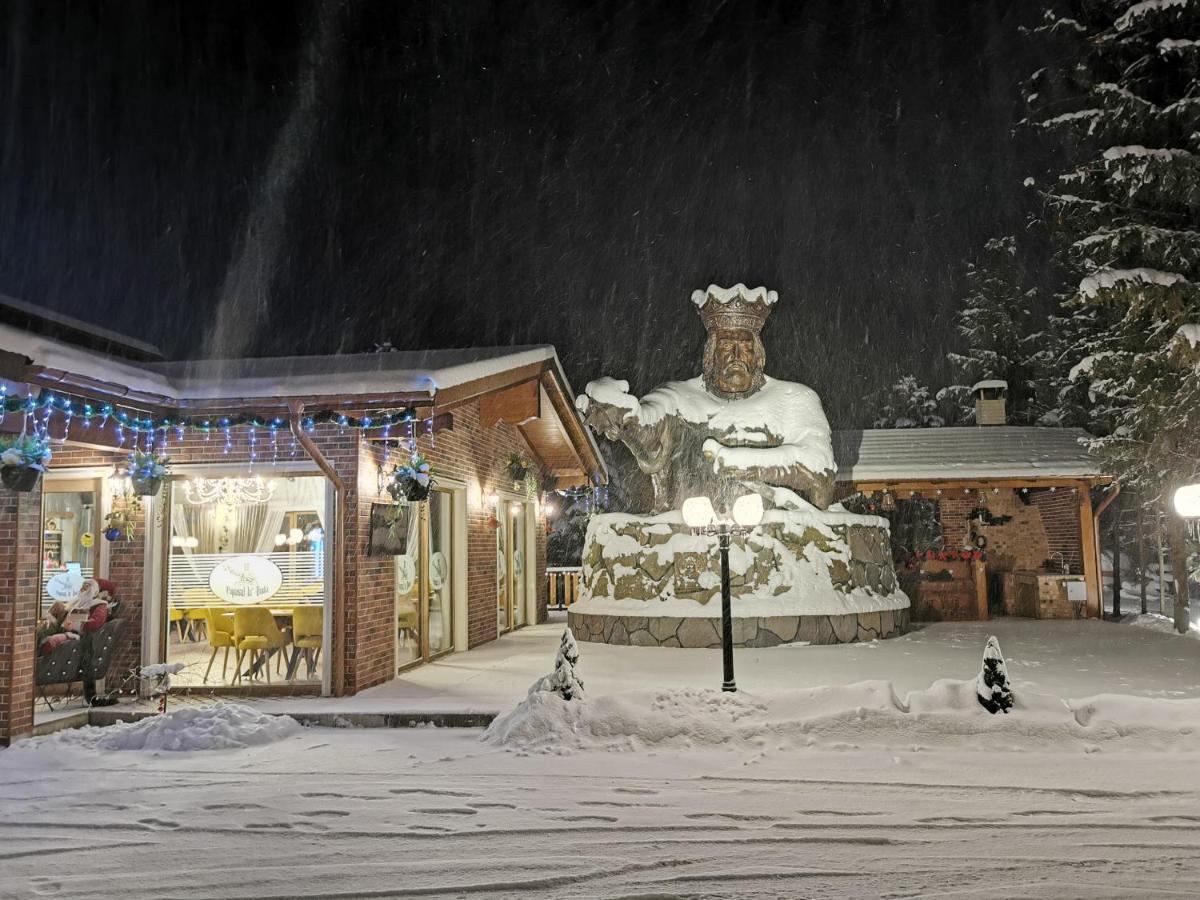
[(992, 686), (563, 680)]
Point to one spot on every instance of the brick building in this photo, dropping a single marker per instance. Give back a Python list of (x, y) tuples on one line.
[(1027, 499), (273, 558)]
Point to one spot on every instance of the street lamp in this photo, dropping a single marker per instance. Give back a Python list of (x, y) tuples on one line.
[(699, 515), (1187, 504)]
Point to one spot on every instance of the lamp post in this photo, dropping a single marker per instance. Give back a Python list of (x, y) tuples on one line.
[(699, 515)]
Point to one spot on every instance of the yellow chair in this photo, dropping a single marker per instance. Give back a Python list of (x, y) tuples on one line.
[(220, 634), (255, 632), (176, 617), (196, 619), (308, 628)]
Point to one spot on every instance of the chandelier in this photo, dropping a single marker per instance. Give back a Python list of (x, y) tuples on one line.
[(228, 491)]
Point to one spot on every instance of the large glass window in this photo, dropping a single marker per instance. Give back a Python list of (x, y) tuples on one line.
[(246, 579), (69, 538)]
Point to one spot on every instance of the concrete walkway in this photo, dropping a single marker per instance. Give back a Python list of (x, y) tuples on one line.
[(1067, 658)]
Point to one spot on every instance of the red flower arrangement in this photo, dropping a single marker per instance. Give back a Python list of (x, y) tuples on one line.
[(915, 560)]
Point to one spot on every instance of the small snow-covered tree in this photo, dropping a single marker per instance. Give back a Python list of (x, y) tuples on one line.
[(564, 680), (991, 685), (997, 324), (1124, 210), (909, 404)]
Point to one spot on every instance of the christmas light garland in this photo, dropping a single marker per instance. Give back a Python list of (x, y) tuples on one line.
[(51, 403)]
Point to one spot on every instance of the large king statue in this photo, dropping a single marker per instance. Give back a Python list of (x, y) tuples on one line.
[(810, 572), (729, 430)]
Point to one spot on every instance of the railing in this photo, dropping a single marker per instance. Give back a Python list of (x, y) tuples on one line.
[(303, 578), (564, 585)]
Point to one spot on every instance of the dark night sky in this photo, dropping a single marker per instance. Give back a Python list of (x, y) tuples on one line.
[(471, 173)]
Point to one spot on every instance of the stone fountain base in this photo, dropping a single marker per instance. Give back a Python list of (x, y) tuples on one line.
[(810, 576)]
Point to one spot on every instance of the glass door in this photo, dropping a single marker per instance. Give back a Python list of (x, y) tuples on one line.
[(70, 552), (424, 582), (517, 562), (406, 529), (441, 540), (503, 592)]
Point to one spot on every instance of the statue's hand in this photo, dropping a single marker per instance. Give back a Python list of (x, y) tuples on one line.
[(609, 420)]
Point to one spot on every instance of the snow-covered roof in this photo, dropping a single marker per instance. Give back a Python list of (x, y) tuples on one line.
[(999, 451), (998, 384), (420, 371), (425, 371)]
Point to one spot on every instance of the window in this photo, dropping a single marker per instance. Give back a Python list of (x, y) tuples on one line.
[(246, 579), (70, 552)]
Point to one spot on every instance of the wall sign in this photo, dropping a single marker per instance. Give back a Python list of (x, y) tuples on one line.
[(245, 579)]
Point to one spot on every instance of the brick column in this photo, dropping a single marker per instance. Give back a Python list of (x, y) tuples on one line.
[(126, 570), (20, 567)]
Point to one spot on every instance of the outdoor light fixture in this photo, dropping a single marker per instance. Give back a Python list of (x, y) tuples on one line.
[(1187, 501), (1187, 504), (699, 515), (887, 503), (119, 483)]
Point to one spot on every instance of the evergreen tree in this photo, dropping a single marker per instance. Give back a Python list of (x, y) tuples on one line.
[(909, 404), (564, 680), (992, 687), (1124, 211), (997, 324)]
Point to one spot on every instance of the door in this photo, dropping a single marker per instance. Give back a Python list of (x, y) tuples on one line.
[(517, 562), (511, 561), (503, 592), (424, 580)]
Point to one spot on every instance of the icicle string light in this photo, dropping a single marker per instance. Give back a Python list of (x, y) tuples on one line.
[(48, 403)]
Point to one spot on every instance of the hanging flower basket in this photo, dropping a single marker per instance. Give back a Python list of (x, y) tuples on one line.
[(20, 478), (22, 461), (520, 470), (147, 471), (411, 482), (145, 487)]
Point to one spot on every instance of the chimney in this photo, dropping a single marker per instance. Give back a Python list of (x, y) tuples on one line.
[(990, 402)]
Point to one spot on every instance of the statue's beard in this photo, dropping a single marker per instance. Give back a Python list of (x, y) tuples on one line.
[(752, 378)]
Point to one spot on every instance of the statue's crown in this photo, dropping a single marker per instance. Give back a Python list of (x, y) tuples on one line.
[(734, 307)]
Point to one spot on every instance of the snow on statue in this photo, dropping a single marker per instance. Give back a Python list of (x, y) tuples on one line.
[(809, 572), (732, 428)]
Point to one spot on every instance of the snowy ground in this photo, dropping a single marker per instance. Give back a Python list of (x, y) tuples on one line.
[(653, 789), (1068, 658)]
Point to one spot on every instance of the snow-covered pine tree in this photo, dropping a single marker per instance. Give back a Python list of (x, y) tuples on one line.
[(564, 680), (1125, 213), (909, 404), (997, 324), (991, 685)]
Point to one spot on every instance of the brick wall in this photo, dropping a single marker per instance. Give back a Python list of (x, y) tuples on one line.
[(1049, 523), (20, 568)]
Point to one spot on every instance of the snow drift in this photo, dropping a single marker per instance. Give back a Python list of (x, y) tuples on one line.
[(219, 726), (868, 713)]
